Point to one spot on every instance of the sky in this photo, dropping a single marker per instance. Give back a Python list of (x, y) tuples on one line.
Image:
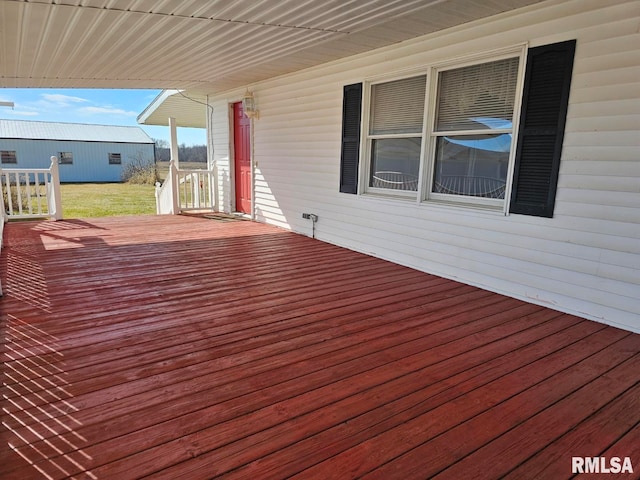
[(103, 107)]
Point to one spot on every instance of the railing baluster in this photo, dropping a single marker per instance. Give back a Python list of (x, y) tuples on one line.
[(38, 193), (196, 189), (185, 192), (47, 189), (27, 178), (203, 184), (7, 178), (19, 190), (202, 196), (189, 189)]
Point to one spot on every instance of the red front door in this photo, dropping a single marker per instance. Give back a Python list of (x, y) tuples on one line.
[(242, 152)]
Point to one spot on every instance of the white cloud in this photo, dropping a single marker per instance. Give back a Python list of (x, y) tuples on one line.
[(24, 113), (62, 100), (18, 110), (107, 111)]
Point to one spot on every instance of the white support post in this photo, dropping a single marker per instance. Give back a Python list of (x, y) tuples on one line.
[(175, 187), (56, 201), (173, 141), (211, 163)]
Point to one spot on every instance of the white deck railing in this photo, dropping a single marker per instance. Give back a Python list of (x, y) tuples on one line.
[(31, 192), (185, 190)]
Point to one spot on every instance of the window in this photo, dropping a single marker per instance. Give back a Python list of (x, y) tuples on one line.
[(65, 158), (472, 129), (395, 133), (467, 151), (115, 158), (449, 135), (9, 156)]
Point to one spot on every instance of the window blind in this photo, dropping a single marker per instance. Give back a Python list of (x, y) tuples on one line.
[(484, 91), (398, 107)]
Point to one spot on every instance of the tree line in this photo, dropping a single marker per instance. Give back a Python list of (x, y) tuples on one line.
[(194, 153)]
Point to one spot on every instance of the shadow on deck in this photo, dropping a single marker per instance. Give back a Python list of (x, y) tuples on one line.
[(182, 347)]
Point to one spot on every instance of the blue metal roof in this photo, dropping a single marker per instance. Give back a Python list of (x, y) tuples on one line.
[(23, 129)]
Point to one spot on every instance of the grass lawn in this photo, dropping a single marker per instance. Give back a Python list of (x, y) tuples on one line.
[(86, 200)]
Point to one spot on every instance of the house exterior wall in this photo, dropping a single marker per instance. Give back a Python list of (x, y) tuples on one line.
[(585, 260), (90, 159), (220, 137)]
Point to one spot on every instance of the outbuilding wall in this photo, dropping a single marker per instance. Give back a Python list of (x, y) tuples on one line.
[(90, 159)]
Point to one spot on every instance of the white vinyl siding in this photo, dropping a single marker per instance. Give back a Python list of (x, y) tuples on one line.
[(220, 138), (585, 260)]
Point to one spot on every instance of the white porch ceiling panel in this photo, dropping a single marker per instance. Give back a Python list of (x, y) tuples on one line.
[(205, 45)]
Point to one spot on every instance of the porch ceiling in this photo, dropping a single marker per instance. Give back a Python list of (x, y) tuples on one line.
[(201, 45)]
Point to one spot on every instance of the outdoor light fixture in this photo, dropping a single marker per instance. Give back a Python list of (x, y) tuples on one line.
[(6, 104), (249, 105)]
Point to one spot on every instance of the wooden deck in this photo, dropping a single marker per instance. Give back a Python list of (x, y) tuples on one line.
[(181, 347)]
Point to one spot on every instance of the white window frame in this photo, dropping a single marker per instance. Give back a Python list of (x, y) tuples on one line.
[(12, 154), (65, 158), (112, 155), (424, 195), (368, 138)]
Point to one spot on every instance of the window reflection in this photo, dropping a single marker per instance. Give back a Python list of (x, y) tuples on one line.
[(395, 163), (472, 165)]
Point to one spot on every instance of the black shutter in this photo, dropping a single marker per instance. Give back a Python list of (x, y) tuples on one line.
[(544, 111), (351, 107)]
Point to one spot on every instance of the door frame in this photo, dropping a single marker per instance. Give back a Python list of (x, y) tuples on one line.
[(232, 162)]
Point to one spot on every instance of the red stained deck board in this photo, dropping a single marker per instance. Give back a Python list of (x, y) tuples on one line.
[(627, 446), (569, 408), (216, 337), (344, 422), (547, 453), (228, 391), (186, 347), (244, 362), (194, 343), (395, 402), (259, 419), (156, 413), (397, 451), (590, 438)]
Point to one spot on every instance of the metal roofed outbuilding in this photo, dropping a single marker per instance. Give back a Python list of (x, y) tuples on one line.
[(87, 153), (80, 132)]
